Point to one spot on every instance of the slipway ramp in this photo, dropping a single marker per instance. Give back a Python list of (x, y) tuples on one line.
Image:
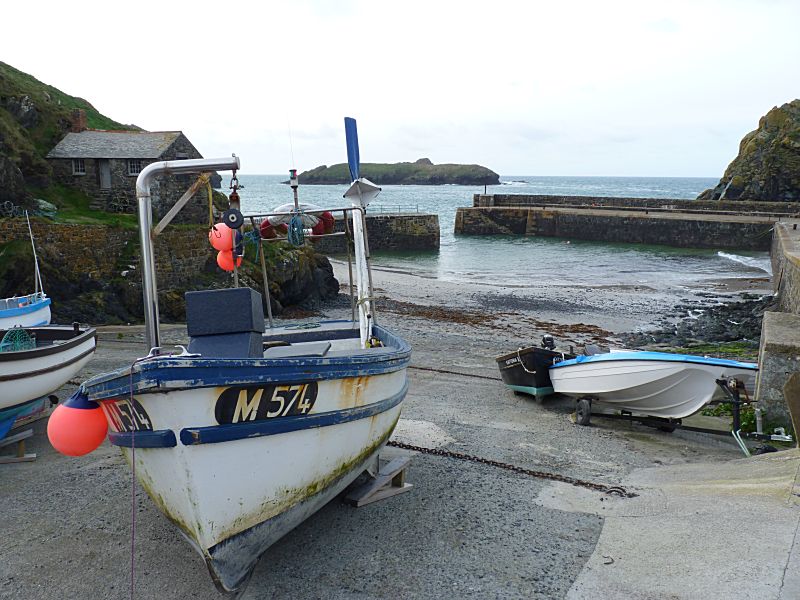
[(703, 530)]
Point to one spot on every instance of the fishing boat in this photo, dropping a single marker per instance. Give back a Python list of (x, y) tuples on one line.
[(35, 362), (246, 433), (526, 370), (29, 310), (655, 384)]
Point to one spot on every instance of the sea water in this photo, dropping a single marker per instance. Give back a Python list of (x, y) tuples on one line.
[(533, 262)]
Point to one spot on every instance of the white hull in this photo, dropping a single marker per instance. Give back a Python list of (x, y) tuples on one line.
[(666, 389), (28, 375), (234, 499), (36, 318)]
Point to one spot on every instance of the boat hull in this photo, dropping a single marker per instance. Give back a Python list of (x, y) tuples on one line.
[(237, 452), (527, 370), (30, 374), (26, 311), (661, 388)]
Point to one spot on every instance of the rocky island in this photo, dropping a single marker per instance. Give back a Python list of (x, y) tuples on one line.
[(420, 172), (768, 164)]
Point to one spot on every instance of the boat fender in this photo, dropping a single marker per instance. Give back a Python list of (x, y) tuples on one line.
[(78, 426), (221, 237), (325, 224), (225, 260)]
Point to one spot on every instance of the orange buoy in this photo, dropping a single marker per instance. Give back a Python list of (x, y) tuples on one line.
[(78, 426), (225, 260), (221, 237)]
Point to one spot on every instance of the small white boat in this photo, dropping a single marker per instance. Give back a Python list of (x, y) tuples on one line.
[(35, 362), (245, 435), (657, 384), (31, 310)]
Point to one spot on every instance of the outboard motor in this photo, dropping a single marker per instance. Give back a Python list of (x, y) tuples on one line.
[(548, 342)]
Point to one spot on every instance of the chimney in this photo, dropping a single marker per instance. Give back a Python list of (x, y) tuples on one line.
[(78, 121)]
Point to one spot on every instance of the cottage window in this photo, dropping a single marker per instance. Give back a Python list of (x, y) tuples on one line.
[(134, 166), (181, 156), (78, 166)]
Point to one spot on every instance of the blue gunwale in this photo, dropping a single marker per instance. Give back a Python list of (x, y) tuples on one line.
[(161, 438), (172, 373), (27, 309), (656, 356)]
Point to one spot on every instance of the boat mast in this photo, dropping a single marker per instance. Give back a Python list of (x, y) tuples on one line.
[(175, 167), (37, 275), (361, 192)]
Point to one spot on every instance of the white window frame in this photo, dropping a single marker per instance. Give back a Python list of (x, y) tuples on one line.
[(78, 166), (132, 164)]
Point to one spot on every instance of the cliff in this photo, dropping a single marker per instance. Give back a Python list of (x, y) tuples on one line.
[(421, 172), (768, 164), (34, 117)]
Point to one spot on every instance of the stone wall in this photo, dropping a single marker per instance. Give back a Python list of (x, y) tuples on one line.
[(785, 255), (412, 231), (779, 351), (101, 252), (620, 226), (121, 197), (778, 358), (682, 205)]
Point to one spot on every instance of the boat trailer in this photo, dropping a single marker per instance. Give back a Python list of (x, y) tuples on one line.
[(732, 388)]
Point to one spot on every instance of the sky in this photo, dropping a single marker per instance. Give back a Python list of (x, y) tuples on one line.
[(612, 88)]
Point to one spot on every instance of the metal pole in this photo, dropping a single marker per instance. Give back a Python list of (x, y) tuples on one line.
[(369, 264), (176, 167), (263, 271), (347, 242)]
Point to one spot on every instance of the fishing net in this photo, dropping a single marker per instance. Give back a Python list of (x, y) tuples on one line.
[(17, 339)]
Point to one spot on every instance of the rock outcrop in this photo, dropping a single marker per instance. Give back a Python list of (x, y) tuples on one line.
[(420, 172), (768, 164)]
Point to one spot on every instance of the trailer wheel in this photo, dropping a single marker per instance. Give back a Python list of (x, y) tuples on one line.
[(583, 411), (667, 427)]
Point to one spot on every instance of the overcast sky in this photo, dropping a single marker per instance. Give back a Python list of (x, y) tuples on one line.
[(525, 88)]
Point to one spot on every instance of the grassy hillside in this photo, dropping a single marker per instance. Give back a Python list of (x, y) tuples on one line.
[(34, 117), (421, 172)]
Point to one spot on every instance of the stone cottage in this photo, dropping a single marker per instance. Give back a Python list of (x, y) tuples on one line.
[(104, 165)]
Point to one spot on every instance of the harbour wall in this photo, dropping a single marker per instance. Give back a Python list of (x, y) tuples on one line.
[(738, 207), (779, 350), (624, 225), (405, 231)]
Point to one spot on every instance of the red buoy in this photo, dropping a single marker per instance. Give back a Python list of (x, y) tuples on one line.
[(225, 260), (267, 230), (78, 426), (221, 237)]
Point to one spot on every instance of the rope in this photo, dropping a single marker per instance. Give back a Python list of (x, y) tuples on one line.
[(295, 234), (210, 204), (133, 485)]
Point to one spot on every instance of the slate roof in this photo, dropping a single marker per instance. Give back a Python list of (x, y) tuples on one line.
[(114, 144)]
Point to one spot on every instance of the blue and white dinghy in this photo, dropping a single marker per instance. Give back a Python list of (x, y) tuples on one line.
[(29, 310), (657, 384), (244, 435)]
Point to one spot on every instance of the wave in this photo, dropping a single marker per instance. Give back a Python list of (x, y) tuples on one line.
[(514, 182), (762, 264)]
